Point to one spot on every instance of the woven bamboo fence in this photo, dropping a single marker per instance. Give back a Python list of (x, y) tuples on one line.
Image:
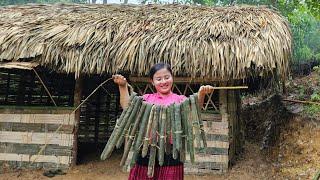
[(28, 137)]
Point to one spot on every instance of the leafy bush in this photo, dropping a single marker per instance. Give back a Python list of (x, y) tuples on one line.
[(312, 110), (315, 97)]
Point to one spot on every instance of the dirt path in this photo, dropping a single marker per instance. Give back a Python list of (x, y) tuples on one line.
[(251, 166)]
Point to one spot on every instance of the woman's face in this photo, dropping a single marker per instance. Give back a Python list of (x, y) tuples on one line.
[(162, 81)]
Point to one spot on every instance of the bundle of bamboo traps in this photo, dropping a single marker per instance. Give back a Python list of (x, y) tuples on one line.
[(158, 130)]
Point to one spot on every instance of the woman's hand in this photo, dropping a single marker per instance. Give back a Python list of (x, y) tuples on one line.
[(205, 90), (120, 80), (202, 93), (123, 89)]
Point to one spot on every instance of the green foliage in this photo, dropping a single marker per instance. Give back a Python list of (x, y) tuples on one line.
[(301, 90), (316, 69), (317, 57), (303, 53), (315, 97), (312, 110), (306, 34)]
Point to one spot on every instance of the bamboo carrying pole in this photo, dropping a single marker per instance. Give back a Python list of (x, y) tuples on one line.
[(303, 102), (231, 87)]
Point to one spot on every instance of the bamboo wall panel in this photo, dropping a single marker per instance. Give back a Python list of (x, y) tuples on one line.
[(38, 118), (36, 138), (209, 158), (215, 158), (35, 158), (27, 127), (32, 140), (22, 89), (99, 114), (35, 148)]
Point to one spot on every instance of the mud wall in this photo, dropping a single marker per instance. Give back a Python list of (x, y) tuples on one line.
[(263, 120)]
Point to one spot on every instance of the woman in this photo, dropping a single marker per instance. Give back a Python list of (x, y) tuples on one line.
[(162, 79)]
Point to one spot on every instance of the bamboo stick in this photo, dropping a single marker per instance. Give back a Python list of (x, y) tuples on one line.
[(173, 134), (147, 134), (231, 87), (184, 124), (128, 145), (153, 146), (195, 120), (138, 141), (303, 102), (162, 135), (190, 137), (117, 131), (202, 133), (168, 131), (136, 103), (178, 129)]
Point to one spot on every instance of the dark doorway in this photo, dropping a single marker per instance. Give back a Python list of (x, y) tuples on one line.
[(97, 118)]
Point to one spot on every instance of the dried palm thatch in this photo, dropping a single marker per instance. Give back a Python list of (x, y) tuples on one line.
[(217, 42)]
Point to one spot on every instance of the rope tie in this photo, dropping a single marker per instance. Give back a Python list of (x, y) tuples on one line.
[(131, 137), (154, 145)]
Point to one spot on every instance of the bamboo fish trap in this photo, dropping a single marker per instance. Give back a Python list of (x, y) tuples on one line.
[(152, 128)]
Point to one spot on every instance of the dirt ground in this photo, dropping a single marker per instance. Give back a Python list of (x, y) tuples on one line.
[(251, 166), (296, 157)]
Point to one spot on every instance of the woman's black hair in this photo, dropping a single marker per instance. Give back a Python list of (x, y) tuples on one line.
[(157, 67)]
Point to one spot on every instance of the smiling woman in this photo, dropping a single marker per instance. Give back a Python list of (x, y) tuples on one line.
[(162, 79)]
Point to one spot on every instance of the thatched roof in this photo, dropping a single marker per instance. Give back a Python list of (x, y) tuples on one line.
[(215, 42)]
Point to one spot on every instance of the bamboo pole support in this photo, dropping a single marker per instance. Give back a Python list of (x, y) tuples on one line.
[(77, 101)]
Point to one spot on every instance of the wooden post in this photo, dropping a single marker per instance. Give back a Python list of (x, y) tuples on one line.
[(223, 107), (77, 101), (8, 88), (97, 117), (240, 128), (223, 100), (232, 124), (21, 89)]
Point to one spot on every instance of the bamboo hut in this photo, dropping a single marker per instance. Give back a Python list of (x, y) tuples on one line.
[(74, 47)]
